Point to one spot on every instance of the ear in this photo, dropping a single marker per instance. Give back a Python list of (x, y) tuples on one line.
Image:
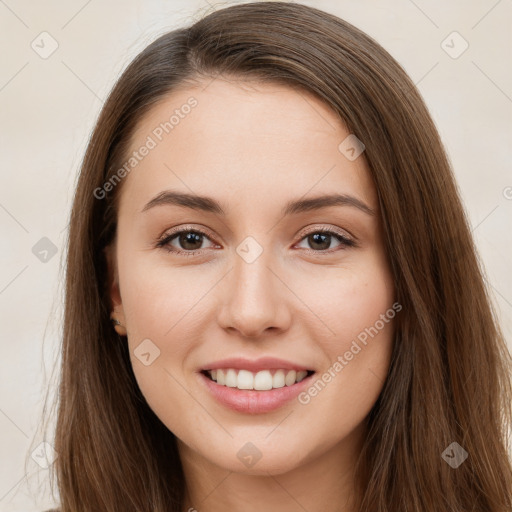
[(113, 283)]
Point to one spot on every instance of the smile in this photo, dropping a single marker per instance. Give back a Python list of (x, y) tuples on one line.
[(263, 380)]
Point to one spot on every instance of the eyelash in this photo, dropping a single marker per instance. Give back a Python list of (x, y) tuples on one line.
[(164, 241)]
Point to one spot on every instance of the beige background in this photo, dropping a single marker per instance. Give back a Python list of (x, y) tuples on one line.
[(48, 107)]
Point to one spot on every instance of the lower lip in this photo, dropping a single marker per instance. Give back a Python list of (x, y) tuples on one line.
[(250, 401)]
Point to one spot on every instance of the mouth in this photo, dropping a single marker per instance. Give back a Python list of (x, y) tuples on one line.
[(254, 386), (263, 380)]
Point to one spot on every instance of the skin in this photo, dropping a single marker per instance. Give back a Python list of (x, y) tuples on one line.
[(254, 147)]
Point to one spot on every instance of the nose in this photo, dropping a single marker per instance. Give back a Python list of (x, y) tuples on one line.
[(254, 299)]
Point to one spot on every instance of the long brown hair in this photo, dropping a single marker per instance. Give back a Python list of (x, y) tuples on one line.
[(450, 374)]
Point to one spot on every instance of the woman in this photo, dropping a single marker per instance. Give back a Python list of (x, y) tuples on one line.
[(237, 163)]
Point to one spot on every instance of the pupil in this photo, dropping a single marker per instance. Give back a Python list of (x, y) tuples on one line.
[(190, 238), (321, 239)]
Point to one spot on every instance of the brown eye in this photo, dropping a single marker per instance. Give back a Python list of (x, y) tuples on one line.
[(190, 240), (187, 241), (321, 240)]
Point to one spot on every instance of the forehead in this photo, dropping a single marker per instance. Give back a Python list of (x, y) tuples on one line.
[(250, 143)]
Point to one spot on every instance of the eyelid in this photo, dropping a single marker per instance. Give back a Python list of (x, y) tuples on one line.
[(304, 232), (345, 239), (168, 235), (179, 229), (330, 229)]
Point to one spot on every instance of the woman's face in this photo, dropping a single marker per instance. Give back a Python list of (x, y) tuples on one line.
[(220, 255)]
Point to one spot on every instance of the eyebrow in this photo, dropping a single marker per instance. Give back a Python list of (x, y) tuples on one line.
[(210, 205)]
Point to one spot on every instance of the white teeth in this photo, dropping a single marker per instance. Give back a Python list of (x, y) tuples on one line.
[(263, 380), (278, 379), (301, 375), (260, 381), (290, 378), (231, 378), (245, 380)]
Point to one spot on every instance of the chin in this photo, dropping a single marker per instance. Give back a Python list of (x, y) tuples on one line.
[(257, 458)]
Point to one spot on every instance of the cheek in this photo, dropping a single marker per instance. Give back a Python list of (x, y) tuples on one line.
[(164, 322), (346, 300), (164, 312), (357, 309), (160, 300), (363, 309)]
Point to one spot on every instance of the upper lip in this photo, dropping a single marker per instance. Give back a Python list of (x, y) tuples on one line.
[(254, 365)]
